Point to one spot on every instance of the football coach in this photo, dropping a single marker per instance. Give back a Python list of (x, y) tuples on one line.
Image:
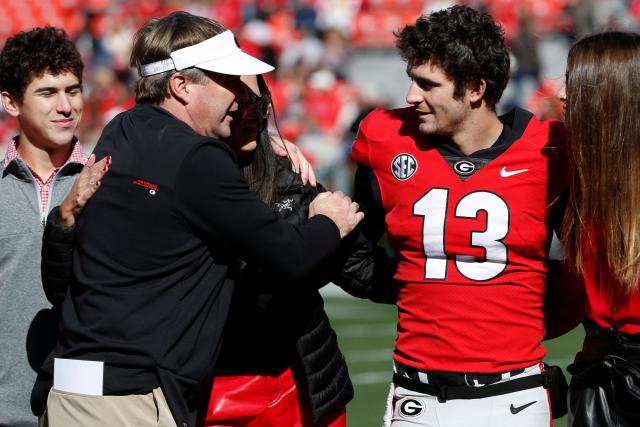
[(155, 246)]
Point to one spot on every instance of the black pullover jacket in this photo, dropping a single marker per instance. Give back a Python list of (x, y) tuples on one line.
[(149, 292)]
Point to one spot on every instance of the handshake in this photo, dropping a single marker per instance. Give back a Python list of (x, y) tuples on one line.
[(339, 208)]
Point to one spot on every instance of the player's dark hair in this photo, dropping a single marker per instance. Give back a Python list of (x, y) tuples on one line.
[(31, 54), (602, 110), (157, 39), (468, 45)]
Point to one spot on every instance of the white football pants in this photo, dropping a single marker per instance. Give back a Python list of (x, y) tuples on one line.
[(525, 408)]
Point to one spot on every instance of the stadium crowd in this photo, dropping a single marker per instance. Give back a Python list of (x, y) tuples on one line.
[(319, 100)]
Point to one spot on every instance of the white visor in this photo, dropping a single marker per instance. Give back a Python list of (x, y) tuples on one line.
[(219, 54)]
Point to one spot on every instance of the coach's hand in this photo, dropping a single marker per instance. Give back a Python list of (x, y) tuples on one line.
[(339, 208)]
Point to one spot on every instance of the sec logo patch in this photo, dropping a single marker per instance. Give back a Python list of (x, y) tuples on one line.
[(404, 166), (410, 408)]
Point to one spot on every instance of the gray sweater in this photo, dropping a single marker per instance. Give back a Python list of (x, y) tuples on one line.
[(28, 324)]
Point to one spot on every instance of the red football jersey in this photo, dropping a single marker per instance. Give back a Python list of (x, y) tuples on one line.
[(606, 304), (471, 249)]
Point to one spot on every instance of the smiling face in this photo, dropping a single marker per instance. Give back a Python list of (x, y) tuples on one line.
[(50, 110), (431, 94)]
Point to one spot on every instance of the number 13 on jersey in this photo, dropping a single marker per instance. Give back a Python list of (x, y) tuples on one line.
[(433, 208)]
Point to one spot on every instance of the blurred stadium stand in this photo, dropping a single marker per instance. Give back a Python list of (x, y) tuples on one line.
[(335, 58)]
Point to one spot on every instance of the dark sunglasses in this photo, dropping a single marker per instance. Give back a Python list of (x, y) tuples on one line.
[(260, 104)]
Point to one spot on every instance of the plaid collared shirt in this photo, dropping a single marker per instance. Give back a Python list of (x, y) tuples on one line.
[(44, 186)]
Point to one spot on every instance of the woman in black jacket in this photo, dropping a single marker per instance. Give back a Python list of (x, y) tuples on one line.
[(280, 364), (276, 332)]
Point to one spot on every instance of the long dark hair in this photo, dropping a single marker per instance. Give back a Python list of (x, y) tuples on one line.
[(602, 110), (259, 168)]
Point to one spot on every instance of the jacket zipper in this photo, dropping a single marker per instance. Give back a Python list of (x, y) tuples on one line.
[(43, 219), (45, 212)]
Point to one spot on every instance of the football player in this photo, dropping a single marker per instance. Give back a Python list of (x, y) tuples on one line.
[(467, 199)]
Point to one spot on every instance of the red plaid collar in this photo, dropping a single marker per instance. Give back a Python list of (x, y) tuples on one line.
[(77, 154)]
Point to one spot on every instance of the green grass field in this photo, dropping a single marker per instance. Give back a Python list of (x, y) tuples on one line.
[(366, 332)]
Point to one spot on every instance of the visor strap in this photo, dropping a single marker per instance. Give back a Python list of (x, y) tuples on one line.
[(156, 67)]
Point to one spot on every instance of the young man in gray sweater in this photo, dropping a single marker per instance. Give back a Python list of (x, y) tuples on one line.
[(41, 86)]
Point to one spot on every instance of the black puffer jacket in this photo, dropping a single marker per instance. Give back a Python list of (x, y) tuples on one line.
[(285, 324), (273, 325), (57, 254)]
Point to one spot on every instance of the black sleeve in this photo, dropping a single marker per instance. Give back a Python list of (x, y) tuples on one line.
[(57, 255), (367, 195), (557, 212), (368, 270), (215, 200), (564, 300)]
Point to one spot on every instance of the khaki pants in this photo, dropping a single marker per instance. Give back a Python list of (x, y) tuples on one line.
[(66, 409)]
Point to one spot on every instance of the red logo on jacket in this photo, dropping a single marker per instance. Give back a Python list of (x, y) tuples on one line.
[(153, 188)]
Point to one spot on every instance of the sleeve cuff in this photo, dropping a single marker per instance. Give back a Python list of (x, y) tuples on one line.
[(56, 229)]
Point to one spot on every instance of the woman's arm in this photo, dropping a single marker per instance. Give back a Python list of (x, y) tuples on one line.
[(59, 231), (366, 268)]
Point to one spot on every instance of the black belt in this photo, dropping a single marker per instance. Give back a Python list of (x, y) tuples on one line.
[(451, 379), (444, 393)]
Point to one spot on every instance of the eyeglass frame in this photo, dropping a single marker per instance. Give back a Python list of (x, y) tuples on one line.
[(262, 105)]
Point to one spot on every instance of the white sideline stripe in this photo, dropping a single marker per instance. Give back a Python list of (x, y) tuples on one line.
[(374, 377), (361, 356), (367, 330)]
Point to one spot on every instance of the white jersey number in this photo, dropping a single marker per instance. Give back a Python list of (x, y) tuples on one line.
[(433, 207)]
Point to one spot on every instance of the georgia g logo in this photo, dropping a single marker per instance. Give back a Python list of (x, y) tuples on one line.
[(411, 408), (464, 167), (404, 166)]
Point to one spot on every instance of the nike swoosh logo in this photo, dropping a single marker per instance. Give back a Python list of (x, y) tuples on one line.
[(505, 173), (516, 409)]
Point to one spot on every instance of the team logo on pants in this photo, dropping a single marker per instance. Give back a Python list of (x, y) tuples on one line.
[(410, 408), (404, 166)]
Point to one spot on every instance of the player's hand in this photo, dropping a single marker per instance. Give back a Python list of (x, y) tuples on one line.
[(339, 208), (281, 148), (87, 183)]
